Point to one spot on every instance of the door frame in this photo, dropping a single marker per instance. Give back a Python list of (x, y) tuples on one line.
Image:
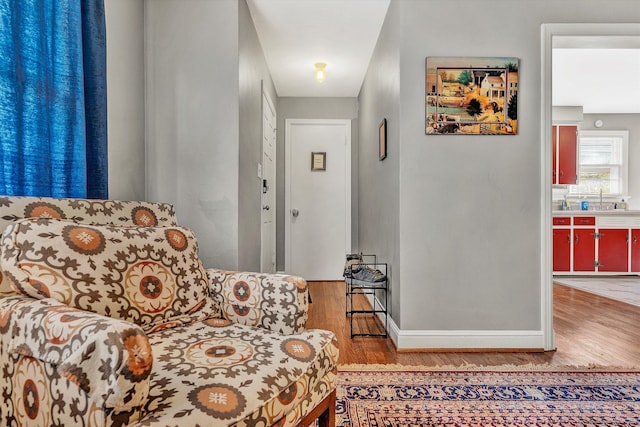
[(548, 32), (266, 98), (287, 181)]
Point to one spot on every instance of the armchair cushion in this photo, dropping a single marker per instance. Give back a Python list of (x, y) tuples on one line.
[(275, 302), (220, 373), (150, 276), (109, 359)]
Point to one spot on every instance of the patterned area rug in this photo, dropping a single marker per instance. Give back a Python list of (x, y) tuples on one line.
[(475, 397)]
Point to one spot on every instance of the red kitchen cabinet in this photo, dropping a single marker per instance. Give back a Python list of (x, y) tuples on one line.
[(613, 249), (584, 220), (635, 250), (561, 249), (565, 154), (554, 154), (561, 220), (584, 249), (605, 244)]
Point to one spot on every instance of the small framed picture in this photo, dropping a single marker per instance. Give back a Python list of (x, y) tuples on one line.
[(319, 161), (382, 140)]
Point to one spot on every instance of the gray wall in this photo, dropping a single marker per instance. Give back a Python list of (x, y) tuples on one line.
[(469, 207), (313, 108), (379, 182), (253, 75), (192, 105), (125, 98), (630, 122)]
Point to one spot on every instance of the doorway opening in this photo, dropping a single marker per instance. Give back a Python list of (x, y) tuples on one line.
[(552, 33)]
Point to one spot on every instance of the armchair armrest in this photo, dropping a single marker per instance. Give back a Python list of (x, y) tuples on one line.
[(109, 359), (275, 302)]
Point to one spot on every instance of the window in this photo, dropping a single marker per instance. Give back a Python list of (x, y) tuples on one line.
[(602, 163)]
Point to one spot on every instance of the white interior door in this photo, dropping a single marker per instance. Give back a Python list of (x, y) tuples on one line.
[(268, 224), (317, 200)]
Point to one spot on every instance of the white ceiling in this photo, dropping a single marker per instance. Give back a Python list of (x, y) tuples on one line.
[(601, 74), (599, 80), (295, 34)]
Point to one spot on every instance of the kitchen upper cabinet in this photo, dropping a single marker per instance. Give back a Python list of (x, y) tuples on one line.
[(565, 154)]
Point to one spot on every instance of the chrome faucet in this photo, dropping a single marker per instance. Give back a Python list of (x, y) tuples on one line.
[(600, 198)]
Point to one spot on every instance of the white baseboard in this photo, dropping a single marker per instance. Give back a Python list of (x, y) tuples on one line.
[(463, 340), (468, 340)]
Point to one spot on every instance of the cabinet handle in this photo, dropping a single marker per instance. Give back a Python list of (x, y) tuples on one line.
[(561, 174), (576, 240), (635, 239)]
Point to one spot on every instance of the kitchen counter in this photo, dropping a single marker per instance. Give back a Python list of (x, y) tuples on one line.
[(596, 212)]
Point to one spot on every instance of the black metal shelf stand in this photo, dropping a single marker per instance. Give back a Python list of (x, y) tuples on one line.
[(375, 290)]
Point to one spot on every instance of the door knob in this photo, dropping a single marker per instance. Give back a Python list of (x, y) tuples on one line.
[(295, 212)]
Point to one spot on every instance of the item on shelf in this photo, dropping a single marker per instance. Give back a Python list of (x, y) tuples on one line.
[(368, 274), (370, 280), (354, 269)]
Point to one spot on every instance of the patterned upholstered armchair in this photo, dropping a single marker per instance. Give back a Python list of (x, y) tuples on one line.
[(107, 317)]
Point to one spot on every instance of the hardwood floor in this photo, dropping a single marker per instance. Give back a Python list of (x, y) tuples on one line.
[(589, 330)]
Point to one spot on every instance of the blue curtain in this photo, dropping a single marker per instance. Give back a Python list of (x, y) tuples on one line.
[(53, 114)]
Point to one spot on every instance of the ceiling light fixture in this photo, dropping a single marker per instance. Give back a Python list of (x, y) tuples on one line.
[(320, 71)]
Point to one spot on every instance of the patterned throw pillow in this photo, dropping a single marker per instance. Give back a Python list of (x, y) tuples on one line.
[(150, 276), (86, 211)]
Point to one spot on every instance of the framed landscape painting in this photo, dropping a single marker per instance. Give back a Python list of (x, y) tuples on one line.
[(471, 96)]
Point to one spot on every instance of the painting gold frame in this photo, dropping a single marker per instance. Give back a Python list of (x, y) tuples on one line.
[(471, 95)]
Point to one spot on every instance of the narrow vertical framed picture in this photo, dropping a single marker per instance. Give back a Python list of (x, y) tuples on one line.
[(382, 140)]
